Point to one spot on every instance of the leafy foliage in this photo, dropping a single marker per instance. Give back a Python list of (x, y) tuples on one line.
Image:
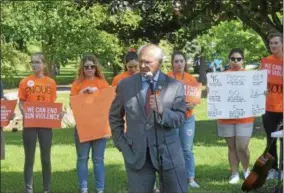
[(163, 18), (64, 31), (227, 35)]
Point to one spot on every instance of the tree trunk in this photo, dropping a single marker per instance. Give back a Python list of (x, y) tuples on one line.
[(114, 69), (202, 68), (48, 62)]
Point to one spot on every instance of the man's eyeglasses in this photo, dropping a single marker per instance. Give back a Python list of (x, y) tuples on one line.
[(147, 63), (89, 67), (238, 59)]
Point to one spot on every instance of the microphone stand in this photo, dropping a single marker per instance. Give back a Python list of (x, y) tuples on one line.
[(159, 151)]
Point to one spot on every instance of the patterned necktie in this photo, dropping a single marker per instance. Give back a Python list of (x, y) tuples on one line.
[(147, 102)]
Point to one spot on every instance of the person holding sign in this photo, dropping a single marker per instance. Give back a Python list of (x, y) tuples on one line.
[(37, 87), (130, 67), (274, 98), (90, 79), (187, 131), (237, 132)]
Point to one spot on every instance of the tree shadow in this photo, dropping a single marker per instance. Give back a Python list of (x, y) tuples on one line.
[(66, 181), (206, 133), (60, 137), (216, 181)]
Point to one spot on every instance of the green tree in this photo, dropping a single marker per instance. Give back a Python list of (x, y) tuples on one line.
[(222, 38), (162, 18), (63, 30)]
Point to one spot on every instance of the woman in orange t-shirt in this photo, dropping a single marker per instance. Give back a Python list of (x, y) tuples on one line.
[(186, 133), (90, 79), (37, 87), (130, 67), (237, 132), (274, 104)]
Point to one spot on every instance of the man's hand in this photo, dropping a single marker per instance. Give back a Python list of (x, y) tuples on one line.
[(156, 105), (190, 106)]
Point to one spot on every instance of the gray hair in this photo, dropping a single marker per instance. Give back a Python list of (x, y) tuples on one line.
[(157, 51)]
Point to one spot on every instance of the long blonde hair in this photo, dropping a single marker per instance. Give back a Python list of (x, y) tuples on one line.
[(98, 68)]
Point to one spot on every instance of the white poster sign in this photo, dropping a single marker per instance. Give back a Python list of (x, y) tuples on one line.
[(238, 94)]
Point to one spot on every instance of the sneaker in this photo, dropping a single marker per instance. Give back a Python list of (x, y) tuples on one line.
[(84, 191), (156, 188), (246, 173), (193, 184), (272, 174), (234, 179)]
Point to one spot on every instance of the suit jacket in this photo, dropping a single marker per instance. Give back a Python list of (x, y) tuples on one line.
[(129, 102)]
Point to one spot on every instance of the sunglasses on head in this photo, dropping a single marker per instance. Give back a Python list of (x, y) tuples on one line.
[(177, 61), (237, 59), (89, 67)]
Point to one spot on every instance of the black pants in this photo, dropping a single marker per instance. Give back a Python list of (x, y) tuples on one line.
[(30, 136), (270, 122)]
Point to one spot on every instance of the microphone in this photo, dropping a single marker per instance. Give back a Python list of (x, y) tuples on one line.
[(149, 75)]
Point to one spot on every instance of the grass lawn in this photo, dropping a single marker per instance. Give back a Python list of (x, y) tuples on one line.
[(212, 168)]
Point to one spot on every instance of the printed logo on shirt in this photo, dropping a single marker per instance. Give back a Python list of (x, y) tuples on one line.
[(30, 83), (38, 89)]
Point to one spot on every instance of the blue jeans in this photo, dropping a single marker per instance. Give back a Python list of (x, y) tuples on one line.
[(83, 149), (186, 135)]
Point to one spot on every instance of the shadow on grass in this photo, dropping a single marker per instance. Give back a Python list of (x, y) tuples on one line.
[(206, 133), (66, 181), (60, 137), (216, 181), (116, 181)]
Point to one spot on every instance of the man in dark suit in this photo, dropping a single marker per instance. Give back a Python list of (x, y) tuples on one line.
[(138, 146)]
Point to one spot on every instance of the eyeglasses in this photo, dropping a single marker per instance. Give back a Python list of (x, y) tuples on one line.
[(89, 67), (177, 61), (147, 63), (238, 59)]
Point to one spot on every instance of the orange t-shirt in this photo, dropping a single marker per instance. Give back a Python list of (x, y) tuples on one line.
[(186, 77), (119, 77), (274, 99), (77, 85), (32, 89), (236, 121)]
